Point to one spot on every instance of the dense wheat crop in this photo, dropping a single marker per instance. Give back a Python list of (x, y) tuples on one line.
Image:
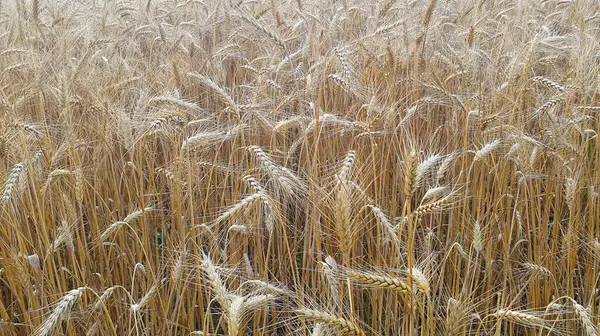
[(279, 167)]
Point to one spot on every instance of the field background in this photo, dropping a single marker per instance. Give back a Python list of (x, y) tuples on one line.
[(275, 167)]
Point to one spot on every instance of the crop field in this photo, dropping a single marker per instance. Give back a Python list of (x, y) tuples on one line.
[(299, 167)]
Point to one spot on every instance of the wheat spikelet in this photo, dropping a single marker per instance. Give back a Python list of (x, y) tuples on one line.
[(240, 308), (486, 150), (160, 122), (104, 297), (330, 268), (429, 12), (432, 206), (435, 193), (79, 185), (571, 191), (127, 220), (345, 171), (59, 313), (538, 270), (114, 227), (327, 120), (149, 296), (445, 165), (559, 307), (243, 229), (588, 108), (248, 203), (286, 124), (423, 169), (207, 139), (533, 158), (380, 280), (584, 316), (386, 28), (420, 280), (596, 247), (12, 182), (342, 210), (234, 315), (319, 330), (139, 267), (520, 317), (344, 326), (177, 272), (136, 215), (57, 173), (343, 61), (486, 122), (477, 237), (14, 68), (254, 302), (171, 176), (174, 101), (64, 236), (11, 51), (267, 287), (253, 182), (390, 233), (456, 317), (343, 203), (214, 280), (549, 83), (94, 329), (284, 180), (274, 85), (216, 88), (274, 37), (548, 105), (513, 151), (54, 175), (519, 223), (410, 173)]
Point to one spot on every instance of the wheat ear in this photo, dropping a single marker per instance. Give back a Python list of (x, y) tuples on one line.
[(345, 326)]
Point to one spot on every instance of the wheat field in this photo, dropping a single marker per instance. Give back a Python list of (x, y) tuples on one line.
[(299, 167)]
